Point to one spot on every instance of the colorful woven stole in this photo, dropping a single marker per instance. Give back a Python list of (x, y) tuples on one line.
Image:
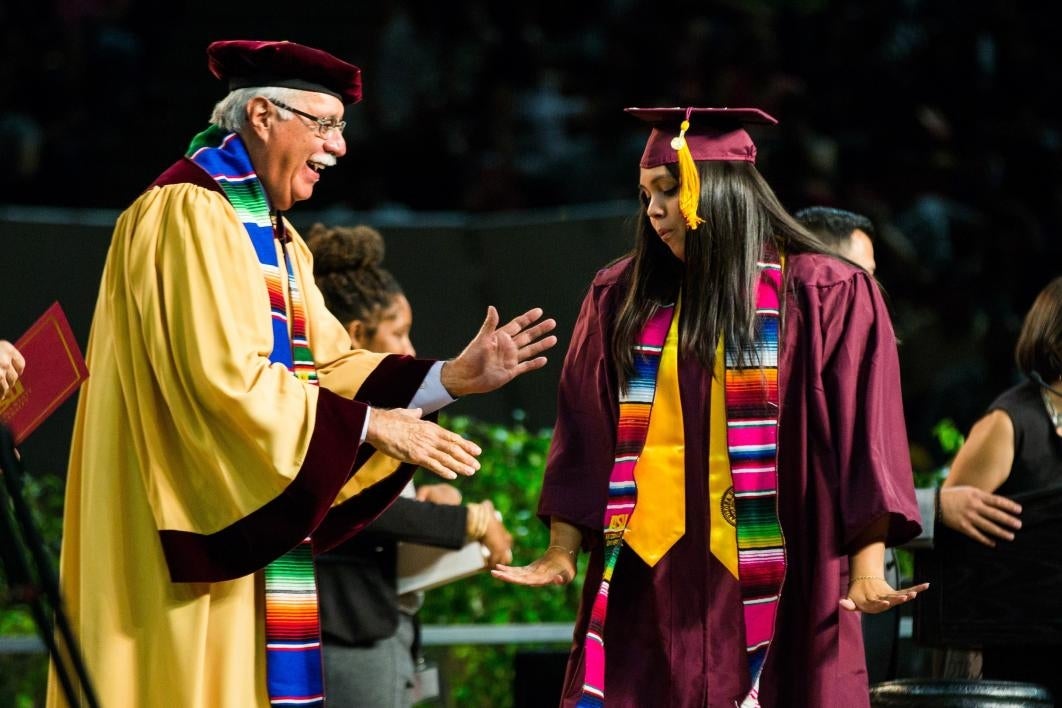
[(293, 635), (752, 440), (752, 421)]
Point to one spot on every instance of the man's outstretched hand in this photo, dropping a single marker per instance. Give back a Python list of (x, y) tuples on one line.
[(497, 355), (401, 434)]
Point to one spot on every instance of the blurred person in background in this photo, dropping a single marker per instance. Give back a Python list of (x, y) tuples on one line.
[(848, 234), (369, 631), (851, 235), (965, 507), (1014, 448)]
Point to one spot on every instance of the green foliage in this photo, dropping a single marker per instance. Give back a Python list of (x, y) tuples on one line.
[(512, 462), (948, 436)]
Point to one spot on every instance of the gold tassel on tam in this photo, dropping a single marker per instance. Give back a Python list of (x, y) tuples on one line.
[(689, 179)]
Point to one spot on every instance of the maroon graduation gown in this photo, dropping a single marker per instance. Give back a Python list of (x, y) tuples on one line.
[(675, 634)]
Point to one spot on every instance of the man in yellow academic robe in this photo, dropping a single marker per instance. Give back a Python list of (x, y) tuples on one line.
[(226, 415)]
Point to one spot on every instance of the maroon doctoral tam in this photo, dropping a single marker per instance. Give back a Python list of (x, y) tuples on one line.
[(246, 63), (713, 133)]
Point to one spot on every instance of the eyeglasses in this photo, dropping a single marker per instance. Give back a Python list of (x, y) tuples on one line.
[(324, 126)]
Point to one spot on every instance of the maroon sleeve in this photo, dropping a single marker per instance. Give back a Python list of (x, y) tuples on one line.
[(352, 516), (394, 382), (861, 381), (575, 487), (272, 530)]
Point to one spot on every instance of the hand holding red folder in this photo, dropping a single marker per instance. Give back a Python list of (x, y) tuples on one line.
[(11, 365), (54, 369)]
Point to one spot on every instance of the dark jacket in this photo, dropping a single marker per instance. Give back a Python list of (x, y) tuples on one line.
[(356, 581)]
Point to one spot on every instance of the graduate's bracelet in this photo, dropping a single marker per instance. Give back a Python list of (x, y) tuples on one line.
[(562, 548), (852, 581)]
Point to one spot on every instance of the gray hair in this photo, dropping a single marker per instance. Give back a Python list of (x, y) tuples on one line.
[(230, 113)]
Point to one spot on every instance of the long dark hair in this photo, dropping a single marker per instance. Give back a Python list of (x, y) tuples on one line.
[(718, 277)]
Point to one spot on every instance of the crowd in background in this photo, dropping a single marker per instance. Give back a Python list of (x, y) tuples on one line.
[(940, 120)]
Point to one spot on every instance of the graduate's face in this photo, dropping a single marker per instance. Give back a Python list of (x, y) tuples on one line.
[(292, 154), (659, 190), (391, 335)]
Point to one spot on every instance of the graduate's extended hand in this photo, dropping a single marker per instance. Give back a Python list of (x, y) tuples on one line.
[(555, 567), (874, 595), (401, 434), (497, 355), (11, 366), (981, 515)]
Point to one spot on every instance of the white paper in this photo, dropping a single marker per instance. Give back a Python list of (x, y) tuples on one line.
[(425, 567)]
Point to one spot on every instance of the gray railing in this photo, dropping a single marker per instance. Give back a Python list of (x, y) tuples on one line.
[(431, 635)]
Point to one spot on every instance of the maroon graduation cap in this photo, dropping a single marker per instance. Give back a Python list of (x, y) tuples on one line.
[(245, 63), (684, 135)]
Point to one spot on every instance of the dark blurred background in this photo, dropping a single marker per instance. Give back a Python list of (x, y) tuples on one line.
[(491, 140)]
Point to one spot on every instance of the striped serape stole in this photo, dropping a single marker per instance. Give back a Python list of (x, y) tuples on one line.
[(292, 627), (752, 435), (635, 405)]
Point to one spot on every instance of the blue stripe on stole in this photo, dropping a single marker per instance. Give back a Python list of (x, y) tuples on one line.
[(758, 453), (282, 345), (262, 239), (263, 244), (306, 665), (764, 353), (767, 330), (280, 354), (642, 384), (221, 161), (645, 368)]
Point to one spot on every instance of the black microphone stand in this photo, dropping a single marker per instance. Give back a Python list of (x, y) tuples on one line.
[(33, 581)]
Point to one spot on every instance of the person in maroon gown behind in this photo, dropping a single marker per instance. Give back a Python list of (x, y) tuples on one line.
[(680, 615)]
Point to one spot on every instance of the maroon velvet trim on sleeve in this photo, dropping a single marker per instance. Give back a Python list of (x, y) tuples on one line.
[(394, 382), (269, 532), (184, 171), (353, 515)]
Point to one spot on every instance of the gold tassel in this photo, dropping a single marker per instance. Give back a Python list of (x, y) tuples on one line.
[(689, 179)]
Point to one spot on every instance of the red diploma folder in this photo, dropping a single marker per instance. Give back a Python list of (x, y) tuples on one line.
[(54, 370)]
